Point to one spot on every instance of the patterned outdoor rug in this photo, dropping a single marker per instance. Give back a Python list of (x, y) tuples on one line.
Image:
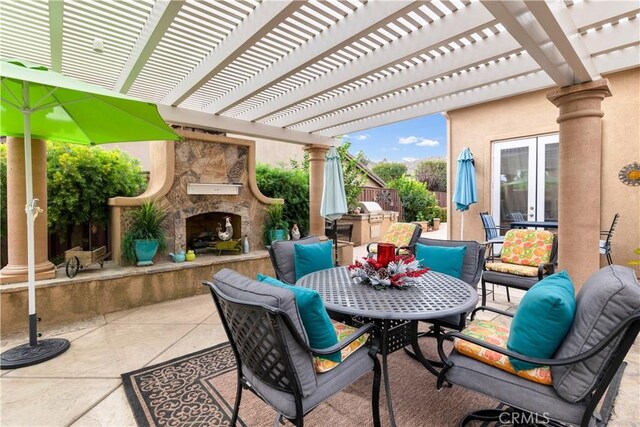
[(199, 390)]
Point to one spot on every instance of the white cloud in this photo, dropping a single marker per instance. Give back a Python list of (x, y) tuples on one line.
[(418, 140), (409, 159), (408, 140), (362, 137), (428, 143)]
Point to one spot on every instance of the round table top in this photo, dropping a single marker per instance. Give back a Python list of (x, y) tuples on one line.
[(435, 296)]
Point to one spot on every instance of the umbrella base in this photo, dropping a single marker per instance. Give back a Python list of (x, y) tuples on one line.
[(27, 355)]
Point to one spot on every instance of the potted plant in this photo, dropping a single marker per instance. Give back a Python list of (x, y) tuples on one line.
[(275, 226), (145, 235)]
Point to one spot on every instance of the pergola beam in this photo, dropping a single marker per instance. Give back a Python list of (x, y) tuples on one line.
[(466, 20), (160, 18), (198, 119), (482, 76), (256, 25), (587, 14), (482, 51), (503, 89), (56, 12), (352, 27), (516, 18), (615, 37), (556, 22)]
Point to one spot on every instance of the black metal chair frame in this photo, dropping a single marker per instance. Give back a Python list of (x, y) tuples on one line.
[(629, 329), (609, 236), (544, 270), (284, 379), (272, 256), (345, 230), (411, 247)]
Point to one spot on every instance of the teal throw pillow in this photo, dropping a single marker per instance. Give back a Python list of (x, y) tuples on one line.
[(313, 257), (314, 316), (542, 319), (442, 259)]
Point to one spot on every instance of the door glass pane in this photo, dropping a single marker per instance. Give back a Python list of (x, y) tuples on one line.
[(514, 185), (551, 182)]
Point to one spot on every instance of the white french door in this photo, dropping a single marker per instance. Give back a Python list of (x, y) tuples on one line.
[(524, 182)]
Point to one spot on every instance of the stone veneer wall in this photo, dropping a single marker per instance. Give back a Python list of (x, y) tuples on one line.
[(206, 158)]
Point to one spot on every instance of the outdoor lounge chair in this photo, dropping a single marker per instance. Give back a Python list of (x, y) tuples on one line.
[(528, 256), (403, 235), (605, 245), (491, 233), (589, 360), (273, 356), (282, 257)]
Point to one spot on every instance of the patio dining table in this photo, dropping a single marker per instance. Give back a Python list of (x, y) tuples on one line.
[(396, 311)]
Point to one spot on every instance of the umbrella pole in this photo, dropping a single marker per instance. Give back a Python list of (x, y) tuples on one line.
[(33, 352), (462, 225), (335, 242)]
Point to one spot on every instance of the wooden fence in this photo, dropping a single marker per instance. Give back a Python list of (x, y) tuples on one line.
[(441, 198)]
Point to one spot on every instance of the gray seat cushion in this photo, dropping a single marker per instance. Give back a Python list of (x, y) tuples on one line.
[(511, 389), (329, 383), (283, 257), (236, 286), (606, 299), (520, 282), (472, 262)]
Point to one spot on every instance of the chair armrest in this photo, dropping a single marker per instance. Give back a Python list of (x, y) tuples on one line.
[(410, 248), (337, 347), (538, 361), (494, 310), (549, 267), (369, 245)]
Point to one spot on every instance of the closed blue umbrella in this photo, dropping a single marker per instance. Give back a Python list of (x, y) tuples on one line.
[(334, 198), (465, 193)]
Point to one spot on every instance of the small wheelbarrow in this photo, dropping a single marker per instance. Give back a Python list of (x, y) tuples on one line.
[(77, 259)]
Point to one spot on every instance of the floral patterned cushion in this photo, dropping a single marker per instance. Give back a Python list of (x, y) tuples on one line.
[(342, 332), (399, 234), (517, 269), (527, 247), (496, 334)]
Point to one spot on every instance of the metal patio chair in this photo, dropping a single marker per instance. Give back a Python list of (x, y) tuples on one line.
[(282, 256), (403, 235), (274, 360), (587, 363), (491, 233), (605, 245)]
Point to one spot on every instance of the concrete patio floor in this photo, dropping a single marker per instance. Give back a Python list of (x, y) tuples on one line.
[(82, 387)]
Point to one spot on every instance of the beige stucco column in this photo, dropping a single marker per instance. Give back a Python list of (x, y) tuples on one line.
[(16, 269), (580, 158), (317, 155)]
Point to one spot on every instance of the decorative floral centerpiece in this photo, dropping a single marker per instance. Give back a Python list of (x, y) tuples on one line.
[(400, 273)]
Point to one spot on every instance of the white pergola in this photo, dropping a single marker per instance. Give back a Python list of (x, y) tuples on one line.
[(307, 71)]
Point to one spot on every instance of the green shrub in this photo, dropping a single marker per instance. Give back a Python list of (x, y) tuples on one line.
[(388, 171), (433, 172), (80, 179), (354, 178), (3, 190), (292, 185), (415, 197)]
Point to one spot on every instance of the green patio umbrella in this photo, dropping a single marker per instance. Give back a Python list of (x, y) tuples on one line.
[(43, 104), (334, 199)]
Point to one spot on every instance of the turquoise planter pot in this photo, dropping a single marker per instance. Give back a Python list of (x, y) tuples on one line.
[(277, 235), (145, 251)]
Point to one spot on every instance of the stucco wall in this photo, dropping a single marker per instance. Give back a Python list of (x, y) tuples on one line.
[(532, 114), (274, 152)]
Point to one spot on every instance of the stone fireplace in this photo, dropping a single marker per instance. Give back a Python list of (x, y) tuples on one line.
[(200, 181)]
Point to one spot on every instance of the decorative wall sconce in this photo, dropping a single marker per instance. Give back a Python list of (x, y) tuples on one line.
[(630, 174)]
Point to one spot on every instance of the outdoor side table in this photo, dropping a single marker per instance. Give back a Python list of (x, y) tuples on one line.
[(396, 311)]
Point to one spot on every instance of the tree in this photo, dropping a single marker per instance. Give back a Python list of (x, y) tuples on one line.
[(417, 201), (354, 178), (80, 179), (362, 158), (388, 171), (433, 172)]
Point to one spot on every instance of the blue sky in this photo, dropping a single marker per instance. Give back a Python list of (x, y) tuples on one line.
[(412, 139)]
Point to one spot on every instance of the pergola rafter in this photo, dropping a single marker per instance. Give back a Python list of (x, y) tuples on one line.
[(304, 71)]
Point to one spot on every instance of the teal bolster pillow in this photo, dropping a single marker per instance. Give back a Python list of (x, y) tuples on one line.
[(542, 319), (442, 259), (313, 257), (314, 316)]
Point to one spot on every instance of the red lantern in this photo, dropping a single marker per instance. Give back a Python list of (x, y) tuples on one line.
[(386, 253)]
